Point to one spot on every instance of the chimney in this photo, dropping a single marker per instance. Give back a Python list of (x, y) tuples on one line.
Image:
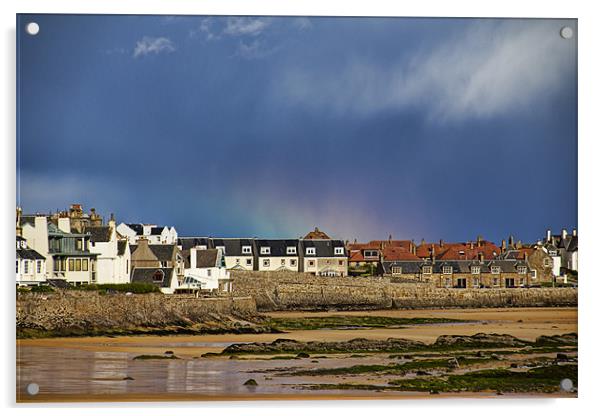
[(433, 251), (64, 224), (511, 241), (19, 230), (390, 238), (422, 242), (574, 232), (112, 223), (564, 233), (548, 235), (471, 245), (193, 258), (479, 241), (441, 243), (503, 246)]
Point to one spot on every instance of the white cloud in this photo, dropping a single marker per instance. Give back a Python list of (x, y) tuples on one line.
[(489, 69), (254, 50), (153, 45), (245, 26)]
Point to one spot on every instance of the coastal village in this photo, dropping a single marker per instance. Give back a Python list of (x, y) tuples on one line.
[(75, 248)]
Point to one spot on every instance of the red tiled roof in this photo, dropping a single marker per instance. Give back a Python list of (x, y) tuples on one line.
[(463, 251), (398, 254)]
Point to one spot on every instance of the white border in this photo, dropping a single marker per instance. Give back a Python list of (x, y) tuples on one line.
[(590, 134)]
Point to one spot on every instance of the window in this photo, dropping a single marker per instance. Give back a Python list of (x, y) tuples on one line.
[(282, 262), (71, 265), (370, 253), (25, 266), (17, 266), (291, 250), (78, 265), (311, 263), (249, 262), (208, 272), (496, 281), (339, 251), (475, 269), (448, 269), (38, 266), (427, 269), (264, 250), (127, 265), (246, 249), (266, 262), (547, 262), (396, 270), (341, 262), (448, 281), (78, 244), (164, 264), (553, 253), (521, 269), (158, 276), (293, 262), (522, 281), (495, 270), (85, 265), (237, 261), (310, 251), (475, 282)]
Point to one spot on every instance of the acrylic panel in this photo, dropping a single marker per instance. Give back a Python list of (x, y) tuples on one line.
[(291, 207)]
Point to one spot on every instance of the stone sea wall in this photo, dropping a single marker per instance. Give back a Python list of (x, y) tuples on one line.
[(72, 311), (298, 291)]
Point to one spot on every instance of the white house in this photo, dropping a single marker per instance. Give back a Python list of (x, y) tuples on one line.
[(114, 257), (207, 271), (278, 255), (239, 253), (153, 233), (31, 265)]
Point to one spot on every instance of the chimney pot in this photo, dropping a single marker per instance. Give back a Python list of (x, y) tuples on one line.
[(574, 232)]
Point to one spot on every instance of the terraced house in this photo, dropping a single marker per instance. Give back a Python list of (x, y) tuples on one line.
[(277, 255)]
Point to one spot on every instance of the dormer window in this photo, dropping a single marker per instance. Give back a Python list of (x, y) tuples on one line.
[(339, 251), (310, 251), (369, 253), (427, 269), (495, 269), (448, 269), (291, 250), (396, 270), (553, 253), (246, 249), (265, 250), (475, 269), (522, 269), (461, 252)]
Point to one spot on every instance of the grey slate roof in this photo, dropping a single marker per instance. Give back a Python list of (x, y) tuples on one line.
[(100, 234), (324, 248), (206, 258), (138, 229), (146, 275), (458, 266), (233, 246), (277, 247), (157, 230), (189, 242), (29, 254)]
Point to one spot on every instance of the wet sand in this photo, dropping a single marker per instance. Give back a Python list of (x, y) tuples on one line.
[(96, 368)]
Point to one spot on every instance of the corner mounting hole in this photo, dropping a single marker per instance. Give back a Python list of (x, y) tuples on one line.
[(33, 389), (32, 28), (566, 384), (566, 32)]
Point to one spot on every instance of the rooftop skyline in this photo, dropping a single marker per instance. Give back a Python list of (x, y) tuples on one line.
[(364, 127)]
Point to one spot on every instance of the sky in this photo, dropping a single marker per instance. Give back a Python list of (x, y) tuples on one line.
[(271, 126)]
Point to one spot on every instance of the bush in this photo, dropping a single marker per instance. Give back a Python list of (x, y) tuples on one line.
[(121, 288), (41, 289)]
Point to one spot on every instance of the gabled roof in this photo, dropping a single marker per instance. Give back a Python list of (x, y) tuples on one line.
[(206, 258), (146, 275), (278, 248), (157, 230), (138, 228), (163, 252), (121, 246), (100, 234)]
